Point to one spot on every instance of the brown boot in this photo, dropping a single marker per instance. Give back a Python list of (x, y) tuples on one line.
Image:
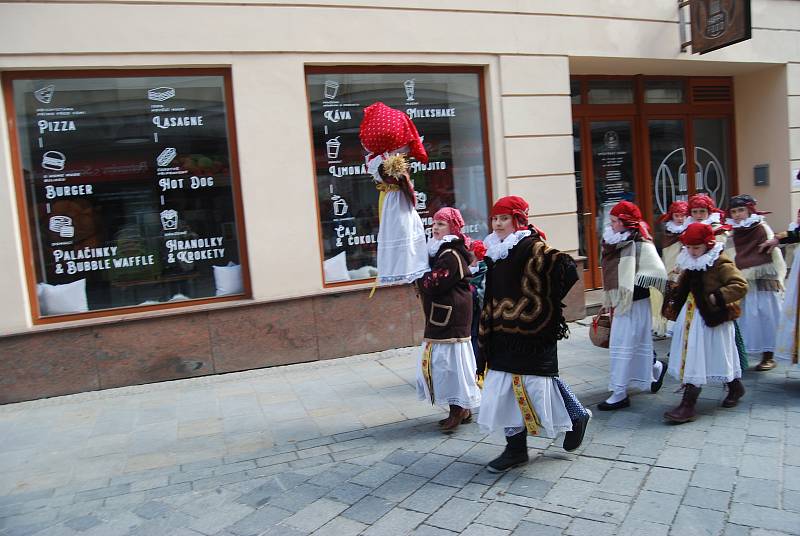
[(685, 410), (767, 363), (459, 416), (735, 392), (449, 417)]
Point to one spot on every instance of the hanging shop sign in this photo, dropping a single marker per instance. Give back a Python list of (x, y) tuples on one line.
[(719, 23)]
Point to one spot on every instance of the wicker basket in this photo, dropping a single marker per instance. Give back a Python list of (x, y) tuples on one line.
[(600, 330)]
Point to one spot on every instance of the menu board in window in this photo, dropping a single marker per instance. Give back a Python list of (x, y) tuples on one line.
[(129, 189), (446, 108)]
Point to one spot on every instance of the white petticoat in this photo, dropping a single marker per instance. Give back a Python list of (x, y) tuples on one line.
[(402, 253), (711, 356), (500, 410), (631, 348), (452, 374), (785, 339), (761, 313)]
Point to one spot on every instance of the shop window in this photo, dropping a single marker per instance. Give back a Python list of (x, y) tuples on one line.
[(446, 107), (129, 187), (610, 91), (663, 91)]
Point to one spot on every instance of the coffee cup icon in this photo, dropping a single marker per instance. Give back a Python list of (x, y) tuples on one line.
[(339, 205), (331, 89), (333, 146), (53, 160)]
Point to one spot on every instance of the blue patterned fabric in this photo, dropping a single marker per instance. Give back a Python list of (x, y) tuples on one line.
[(574, 407)]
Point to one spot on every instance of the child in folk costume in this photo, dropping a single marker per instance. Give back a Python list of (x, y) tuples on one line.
[(675, 223), (388, 135), (520, 325), (788, 335), (631, 266), (704, 304), (702, 209), (764, 272), (446, 375)]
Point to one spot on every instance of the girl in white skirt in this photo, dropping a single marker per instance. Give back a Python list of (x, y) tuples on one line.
[(520, 326), (446, 372), (788, 336), (764, 271), (703, 346), (631, 266), (675, 223)]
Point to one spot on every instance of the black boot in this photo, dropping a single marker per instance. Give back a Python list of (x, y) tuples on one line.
[(735, 392), (574, 438), (516, 453)]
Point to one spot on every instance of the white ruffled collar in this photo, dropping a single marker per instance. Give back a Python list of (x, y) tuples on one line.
[(753, 219), (711, 220), (497, 249), (434, 245), (676, 229), (793, 226), (686, 262), (610, 237)]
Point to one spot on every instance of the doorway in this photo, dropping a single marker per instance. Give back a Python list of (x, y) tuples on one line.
[(650, 140)]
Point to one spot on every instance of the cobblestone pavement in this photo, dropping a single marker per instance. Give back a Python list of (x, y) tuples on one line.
[(343, 447)]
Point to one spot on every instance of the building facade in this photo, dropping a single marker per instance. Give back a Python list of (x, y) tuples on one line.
[(184, 194)]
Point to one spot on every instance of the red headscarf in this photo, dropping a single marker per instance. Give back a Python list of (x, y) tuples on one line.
[(631, 217), (704, 201), (454, 222), (677, 207), (516, 207), (479, 249), (385, 129), (698, 233)]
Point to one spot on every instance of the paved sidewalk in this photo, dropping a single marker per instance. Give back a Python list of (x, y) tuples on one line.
[(343, 448)]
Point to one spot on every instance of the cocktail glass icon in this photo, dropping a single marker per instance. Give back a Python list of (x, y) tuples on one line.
[(169, 220), (331, 89), (422, 201), (333, 146), (53, 160), (410, 86), (62, 225)]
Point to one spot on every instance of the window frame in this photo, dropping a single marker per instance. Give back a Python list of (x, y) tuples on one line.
[(311, 69), (25, 217)]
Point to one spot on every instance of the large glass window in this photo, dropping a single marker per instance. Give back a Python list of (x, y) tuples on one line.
[(129, 188), (446, 108)]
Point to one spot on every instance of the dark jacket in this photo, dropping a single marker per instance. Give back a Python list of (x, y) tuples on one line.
[(722, 280), (522, 316), (446, 295)]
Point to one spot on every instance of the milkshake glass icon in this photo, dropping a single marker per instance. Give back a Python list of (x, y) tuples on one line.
[(333, 146), (331, 89), (410, 86)]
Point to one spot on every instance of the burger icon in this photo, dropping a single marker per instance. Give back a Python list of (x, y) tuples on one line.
[(54, 161)]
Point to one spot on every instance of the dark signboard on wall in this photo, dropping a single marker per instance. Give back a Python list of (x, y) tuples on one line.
[(719, 23)]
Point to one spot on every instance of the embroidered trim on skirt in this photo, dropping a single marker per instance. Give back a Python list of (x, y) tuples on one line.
[(500, 408), (452, 367), (710, 355)]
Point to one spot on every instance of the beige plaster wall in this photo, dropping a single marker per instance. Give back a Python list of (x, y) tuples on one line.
[(527, 48), (762, 137)]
